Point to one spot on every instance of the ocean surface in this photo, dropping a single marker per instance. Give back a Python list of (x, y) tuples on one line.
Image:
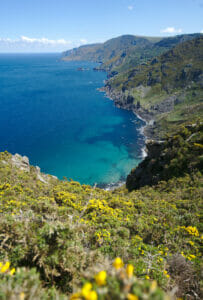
[(54, 114)]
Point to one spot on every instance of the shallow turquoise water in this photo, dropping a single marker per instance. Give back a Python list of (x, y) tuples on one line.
[(55, 115)]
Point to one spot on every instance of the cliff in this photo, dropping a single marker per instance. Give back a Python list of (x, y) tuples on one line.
[(166, 91)]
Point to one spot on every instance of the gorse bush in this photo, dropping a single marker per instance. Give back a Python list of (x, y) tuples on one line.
[(61, 237)]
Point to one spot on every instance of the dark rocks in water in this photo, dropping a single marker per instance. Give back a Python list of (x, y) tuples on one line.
[(98, 69)]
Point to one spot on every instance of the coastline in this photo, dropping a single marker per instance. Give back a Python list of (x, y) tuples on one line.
[(122, 102), (140, 113), (117, 99)]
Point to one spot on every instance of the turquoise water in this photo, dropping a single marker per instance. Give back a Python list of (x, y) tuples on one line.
[(54, 114)]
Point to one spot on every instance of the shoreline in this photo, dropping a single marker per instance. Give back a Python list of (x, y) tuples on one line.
[(149, 121), (109, 95)]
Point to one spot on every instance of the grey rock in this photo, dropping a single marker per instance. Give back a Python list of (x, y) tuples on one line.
[(21, 162)]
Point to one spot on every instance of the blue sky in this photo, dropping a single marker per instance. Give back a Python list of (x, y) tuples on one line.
[(57, 25)]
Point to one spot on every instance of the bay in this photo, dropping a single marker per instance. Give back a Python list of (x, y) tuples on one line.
[(54, 114)]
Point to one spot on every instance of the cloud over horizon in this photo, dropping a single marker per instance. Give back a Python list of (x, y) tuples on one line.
[(171, 30), (25, 43)]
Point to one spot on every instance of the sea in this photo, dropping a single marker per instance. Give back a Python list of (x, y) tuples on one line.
[(53, 112)]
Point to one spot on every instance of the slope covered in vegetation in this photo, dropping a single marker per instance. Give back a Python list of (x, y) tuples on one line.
[(124, 52), (167, 89), (59, 234)]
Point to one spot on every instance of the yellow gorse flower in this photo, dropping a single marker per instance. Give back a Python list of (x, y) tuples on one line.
[(153, 286), (118, 263), (129, 270), (5, 267), (92, 296), (22, 296), (86, 289), (100, 278), (75, 296), (12, 271), (132, 297)]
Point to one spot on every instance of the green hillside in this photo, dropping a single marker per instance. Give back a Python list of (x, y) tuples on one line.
[(168, 88), (59, 237), (121, 53)]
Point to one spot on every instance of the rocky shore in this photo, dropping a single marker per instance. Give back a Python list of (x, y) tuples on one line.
[(149, 116), (121, 101)]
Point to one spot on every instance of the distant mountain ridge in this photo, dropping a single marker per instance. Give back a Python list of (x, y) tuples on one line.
[(120, 53), (159, 79)]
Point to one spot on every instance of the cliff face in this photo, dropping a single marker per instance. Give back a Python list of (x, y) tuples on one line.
[(175, 156)]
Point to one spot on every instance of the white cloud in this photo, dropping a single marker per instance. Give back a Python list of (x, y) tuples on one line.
[(83, 41), (201, 31), (171, 30), (28, 44), (130, 7), (42, 41)]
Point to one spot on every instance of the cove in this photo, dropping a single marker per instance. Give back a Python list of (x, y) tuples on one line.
[(53, 113)]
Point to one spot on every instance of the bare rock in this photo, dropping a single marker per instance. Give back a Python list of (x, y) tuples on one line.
[(21, 162)]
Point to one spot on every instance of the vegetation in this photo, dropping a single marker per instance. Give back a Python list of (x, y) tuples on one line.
[(121, 53), (62, 237), (168, 88)]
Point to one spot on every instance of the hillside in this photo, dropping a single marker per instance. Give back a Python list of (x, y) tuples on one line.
[(56, 235), (167, 89), (121, 53)]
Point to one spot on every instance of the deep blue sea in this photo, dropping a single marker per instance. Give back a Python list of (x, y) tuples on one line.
[(54, 114)]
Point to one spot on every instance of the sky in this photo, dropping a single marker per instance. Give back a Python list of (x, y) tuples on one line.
[(58, 25)]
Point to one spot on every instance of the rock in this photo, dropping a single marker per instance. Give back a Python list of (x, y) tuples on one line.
[(21, 162)]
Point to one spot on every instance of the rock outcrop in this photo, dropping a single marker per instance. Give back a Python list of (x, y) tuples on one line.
[(22, 163)]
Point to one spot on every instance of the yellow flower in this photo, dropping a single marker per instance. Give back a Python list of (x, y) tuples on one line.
[(132, 297), (86, 289), (12, 271), (147, 277), (22, 296), (5, 267), (100, 278), (118, 263), (153, 286), (75, 296), (166, 274), (92, 296), (129, 270)]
